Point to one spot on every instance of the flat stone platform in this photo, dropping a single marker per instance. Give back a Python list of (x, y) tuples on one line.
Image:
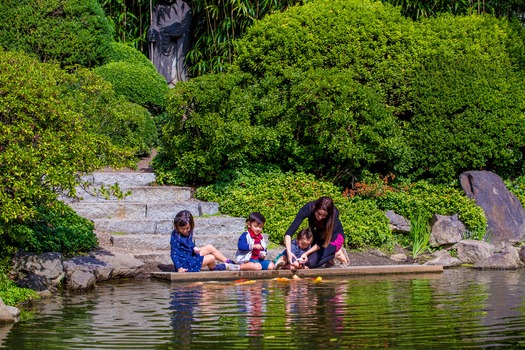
[(322, 272)]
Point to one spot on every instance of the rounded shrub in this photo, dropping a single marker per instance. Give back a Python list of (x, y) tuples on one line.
[(69, 31), (140, 84)]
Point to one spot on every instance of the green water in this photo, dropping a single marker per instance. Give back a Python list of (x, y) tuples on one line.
[(460, 308)]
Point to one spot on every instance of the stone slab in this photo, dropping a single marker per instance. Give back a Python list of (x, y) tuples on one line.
[(313, 273), (147, 194), (131, 210)]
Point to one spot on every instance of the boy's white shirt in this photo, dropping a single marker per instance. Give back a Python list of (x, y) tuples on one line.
[(243, 256)]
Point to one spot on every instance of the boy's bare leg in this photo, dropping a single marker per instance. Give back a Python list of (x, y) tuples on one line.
[(209, 249), (251, 266)]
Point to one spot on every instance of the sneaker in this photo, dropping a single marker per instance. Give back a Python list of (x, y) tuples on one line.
[(219, 267), (279, 265), (230, 261), (233, 267)]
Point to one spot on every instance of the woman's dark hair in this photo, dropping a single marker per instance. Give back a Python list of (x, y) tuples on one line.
[(326, 204), (256, 217), (183, 218), (305, 233)]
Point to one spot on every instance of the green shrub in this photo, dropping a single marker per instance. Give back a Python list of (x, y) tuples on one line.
[(126, 124), (120, 52), (424, 197), (139, 84), (46, 139), (279, 196), (13, 295), (68, 31), (468, 100), (337, 88), (54, 228)]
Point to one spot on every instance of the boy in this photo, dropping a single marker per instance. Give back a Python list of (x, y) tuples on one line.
[(251, 247), (299, 246)]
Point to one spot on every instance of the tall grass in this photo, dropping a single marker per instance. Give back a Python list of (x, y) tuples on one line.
[(420, 231)]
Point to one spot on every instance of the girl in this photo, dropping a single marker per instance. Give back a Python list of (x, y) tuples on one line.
[(323, 221), (186, 256)]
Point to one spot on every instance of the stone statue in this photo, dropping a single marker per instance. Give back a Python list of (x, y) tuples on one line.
[(169, 37)]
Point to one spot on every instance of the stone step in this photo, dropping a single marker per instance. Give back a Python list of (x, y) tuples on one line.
[(214, 224), (162, 242), (123, 179), (131, 210), (146, 194)]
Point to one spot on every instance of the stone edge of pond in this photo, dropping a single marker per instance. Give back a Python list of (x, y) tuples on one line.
[(346, 271)]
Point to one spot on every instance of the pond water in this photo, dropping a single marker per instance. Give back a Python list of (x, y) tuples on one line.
[(460, 308)]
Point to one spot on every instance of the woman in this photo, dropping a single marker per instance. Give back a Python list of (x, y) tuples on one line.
[(323, 220)]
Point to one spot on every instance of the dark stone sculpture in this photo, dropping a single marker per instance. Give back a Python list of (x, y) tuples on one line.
[(504, 212), (169, 37)]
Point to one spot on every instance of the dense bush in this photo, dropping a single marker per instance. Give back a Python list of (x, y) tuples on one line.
[(67, 31), (335, 88), (126, 124), (279, 196), (53, 128), (140, 84), (468, 100), (54, 228)]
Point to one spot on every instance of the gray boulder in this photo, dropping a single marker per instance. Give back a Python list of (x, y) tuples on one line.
[(44, 270), (446, 230), (443, 258), (471, 251), (123, 265), (81, 279), (8, 314), (504, 212), (507, 259), (397, 222)]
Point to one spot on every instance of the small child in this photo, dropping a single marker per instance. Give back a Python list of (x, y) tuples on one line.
[(186, 256), (251, 247), (300, 247)]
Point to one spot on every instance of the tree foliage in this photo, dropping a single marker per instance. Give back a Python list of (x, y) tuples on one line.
[(336, 88), (66, 31), (48, 136)]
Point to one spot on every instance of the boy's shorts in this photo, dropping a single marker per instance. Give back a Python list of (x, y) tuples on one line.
[(264, 263)]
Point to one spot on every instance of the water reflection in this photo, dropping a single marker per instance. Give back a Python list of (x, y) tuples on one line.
[(460, 308)]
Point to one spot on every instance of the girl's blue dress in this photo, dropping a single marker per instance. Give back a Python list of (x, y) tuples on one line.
[(182, 253)]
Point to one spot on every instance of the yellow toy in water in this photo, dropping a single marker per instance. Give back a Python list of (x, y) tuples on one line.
[(318, 279)]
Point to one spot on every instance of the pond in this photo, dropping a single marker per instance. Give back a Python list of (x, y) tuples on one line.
[(461, 308)]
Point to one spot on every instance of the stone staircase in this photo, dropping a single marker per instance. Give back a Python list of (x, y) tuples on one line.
[(141, 223)]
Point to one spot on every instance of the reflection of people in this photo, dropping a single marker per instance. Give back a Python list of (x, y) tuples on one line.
[(186, 256), (251, 252), (169, 36), (183, 302), (300, 247), (323, 221)]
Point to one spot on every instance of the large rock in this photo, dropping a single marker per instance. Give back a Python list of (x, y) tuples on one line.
[(5, 314), (443, 258), (504, 212), (397, 222), (446, 230), (123, 265), (471, 251), (46, 268), (507, 259)]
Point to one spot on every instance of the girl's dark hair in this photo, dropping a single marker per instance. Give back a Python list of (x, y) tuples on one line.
[(305, 233), (256, 217), (327, 204), (184, 218)]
